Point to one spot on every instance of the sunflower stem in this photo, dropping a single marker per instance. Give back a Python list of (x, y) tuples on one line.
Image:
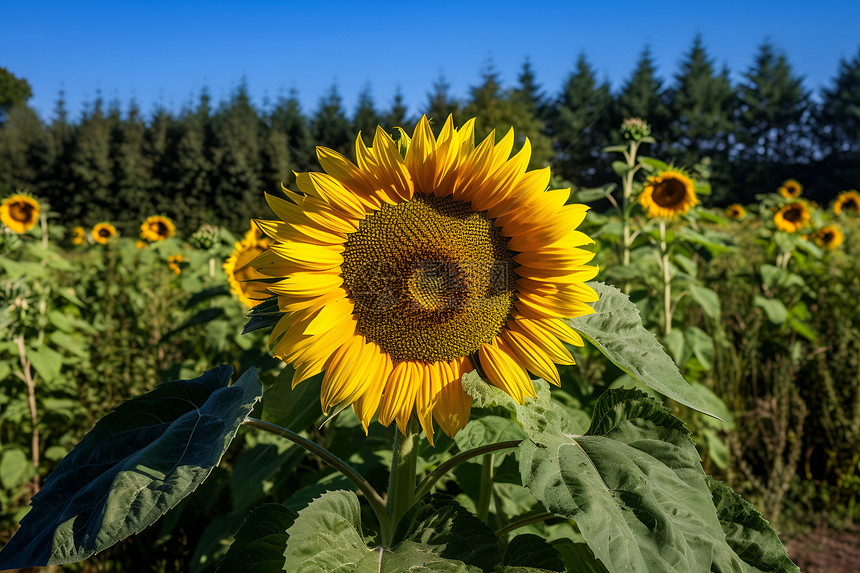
[(626, 196), (443, 468), (667, 284), (524, 522), (363, 485), (483, 509), (401, 481)]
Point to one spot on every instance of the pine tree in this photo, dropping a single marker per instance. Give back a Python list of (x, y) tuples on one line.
[(440, 104), (193, 170), (365, 119), (22, 151), (642, 96), (528, 92), (57, 185), (130, 185), (582, 126), (839, 116), (330, 126), (91, 168), (287, 118), (14, 92), (396, 116)]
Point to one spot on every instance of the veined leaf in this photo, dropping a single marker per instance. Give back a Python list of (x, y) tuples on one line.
[(260, 542), (136, 463)]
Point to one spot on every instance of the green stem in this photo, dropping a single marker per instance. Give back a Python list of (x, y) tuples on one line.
[(363, 485), (428, 483), (523, 522), (483, 509), (626, 195), (667, 285), (401, 481)]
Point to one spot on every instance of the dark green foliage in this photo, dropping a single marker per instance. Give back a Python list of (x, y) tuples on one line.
[(329, 124), (642, 96), (14, 92), (440, 104), (365, 119)]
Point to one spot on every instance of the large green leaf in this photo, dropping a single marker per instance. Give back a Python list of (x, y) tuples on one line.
[(707, 299), (260, 542), (529, 551), (615, 328), (326, 536), (136, 464), (635, 487)]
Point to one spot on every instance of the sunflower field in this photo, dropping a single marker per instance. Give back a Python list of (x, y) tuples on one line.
[(437, 346)]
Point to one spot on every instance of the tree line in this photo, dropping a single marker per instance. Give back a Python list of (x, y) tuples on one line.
[(210, 163)]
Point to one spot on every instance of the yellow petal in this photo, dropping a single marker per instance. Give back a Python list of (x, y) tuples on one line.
[(398, 399)]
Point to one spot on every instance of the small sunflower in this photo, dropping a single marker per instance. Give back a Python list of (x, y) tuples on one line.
[(241, 274), (736, 211), (78, 235), (157, 228), (847, 201), (792, 217), (829, 237), (668, 194), (423, 260), (174, 263), (790, 189), (19, 213), (140, 244), (103, 232)]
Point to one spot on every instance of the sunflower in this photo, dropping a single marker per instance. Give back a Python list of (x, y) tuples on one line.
[(174, 262), (78, 235), (790, 189), (847, 201), (792, 217), (736, 211), (424, 260), (19, 213), (667, 194), (157, 228), (829, 237), (103, 232), (241, 274)]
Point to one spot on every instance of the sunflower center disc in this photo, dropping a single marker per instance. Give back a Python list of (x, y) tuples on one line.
[(669, 193), (21, 211), (430, 278), (792, 215)]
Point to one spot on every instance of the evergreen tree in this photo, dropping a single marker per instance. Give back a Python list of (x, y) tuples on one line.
[(440, 104), (14, 92), (528, 92), (193, 168), (839, 116), (396, 115), (287, 118), (130, 185), (365, 119), (91, 168), (642, 96), (582, 126), (330, 126), (57, 185), (22, 151)]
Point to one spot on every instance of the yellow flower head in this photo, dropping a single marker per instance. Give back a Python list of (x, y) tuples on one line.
[(668, 194), (847, 201), (19, 213), (241, 274), (791, 189), (157, 228), (422, 260), (78, 235), (174, 263), (141, 244), (736, 211), (829, 237), (103, 232), (792, 217)]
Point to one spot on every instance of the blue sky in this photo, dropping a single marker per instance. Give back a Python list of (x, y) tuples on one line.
[(168, 51)]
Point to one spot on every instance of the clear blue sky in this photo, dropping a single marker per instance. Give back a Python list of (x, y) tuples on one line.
[(168, 51)]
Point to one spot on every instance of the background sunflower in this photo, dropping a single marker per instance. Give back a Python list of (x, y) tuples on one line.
[(19, 212), (157, 228), (103, 232), (241, 274), (669, 193), (790, 189), (736, 211), (829, 237), (792, 217), (847, 201)]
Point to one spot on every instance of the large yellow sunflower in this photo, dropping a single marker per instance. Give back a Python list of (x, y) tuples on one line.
[(103, 232), (790, 189), (668, 194), (421, 261), (19, 213), (829, 237), (157, 228), (847, 201), (241, 274), (792, 217), (736, 211)]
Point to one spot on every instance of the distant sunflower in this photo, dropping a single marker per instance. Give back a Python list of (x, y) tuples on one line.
[(103, 232), (847, 201), (791, 189), (792, 217), (423, 260), (157, 228), (736, 211), (829, 237), (174, 263), (667, 194), (241, 274), (19, 213), (78, 235), (141, 244)]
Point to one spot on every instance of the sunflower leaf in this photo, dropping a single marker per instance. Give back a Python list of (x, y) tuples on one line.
[(616, 329), (531, 552), (636, 489), (136, 463), (327, 536), (260, 541)]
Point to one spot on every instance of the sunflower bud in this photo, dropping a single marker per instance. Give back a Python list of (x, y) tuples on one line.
[(635, 128)]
